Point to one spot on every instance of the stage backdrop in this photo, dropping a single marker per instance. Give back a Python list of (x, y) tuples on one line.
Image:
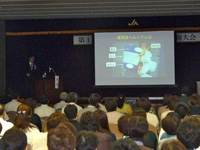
[(76, 63)]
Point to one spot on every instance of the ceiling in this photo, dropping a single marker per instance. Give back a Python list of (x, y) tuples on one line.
[(46, 9)]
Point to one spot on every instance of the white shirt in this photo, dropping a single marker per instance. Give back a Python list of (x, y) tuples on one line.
[(12, 105), (102, 107), (114, 116), (71, 103), (39, 142), (60, 105), (5, 125), (30, 133), (44, 110), (153, 120)]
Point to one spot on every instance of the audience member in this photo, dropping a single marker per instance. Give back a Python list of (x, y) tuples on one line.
[(144, 103), (113, 115), (172, 101), (138, 127), (194, 103), (124, 144), (86, 140), (173, 145), (123, 125), (164, 107), (71, 127), (35, 119), (5, 125), (63, 101), (185, 92), (22, 122), (122, 107), (72, 115), (61, 138), (40, 140), (93, 104), (14, 139), (182, 109), (72, 98), (13, 104), (102, 120), (189, 133), (44, 110), (100, 103), (88, 123)]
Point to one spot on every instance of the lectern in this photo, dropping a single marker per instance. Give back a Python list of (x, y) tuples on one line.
[(47, 86)]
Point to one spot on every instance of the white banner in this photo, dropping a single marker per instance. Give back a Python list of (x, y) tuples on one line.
[(188, 37)]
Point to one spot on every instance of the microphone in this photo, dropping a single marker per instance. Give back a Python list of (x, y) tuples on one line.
[(52, 70)]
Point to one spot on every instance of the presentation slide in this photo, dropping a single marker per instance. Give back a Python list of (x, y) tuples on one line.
[(134, 58)]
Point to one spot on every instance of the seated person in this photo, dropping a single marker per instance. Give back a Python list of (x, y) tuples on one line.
[(14, 139), (72, 99), (189, 133), (194, 104), (102, 120), (40, 140), (63, 101), (13, 104), (123, 125), (144, 103), (86, 140), (122, 107), (125, 144), (138, 127), (182, 109), (164, 107), (44, 110), (185, 92), (113, 115), (72, 115), (61, 138), (173, 145), (88, 123)]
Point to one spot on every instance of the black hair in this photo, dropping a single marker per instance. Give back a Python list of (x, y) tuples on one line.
[(120, 100), (182, 109), (111, 104), (14, 94), (71, 111), (44, 99), (95, 99), (14, 139), (86, 140), (72, 96)]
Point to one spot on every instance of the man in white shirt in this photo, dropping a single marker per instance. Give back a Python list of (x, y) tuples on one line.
[(5, 125), (63, 101), (44, 110), (72, 98), (13, 104), (113, 115)]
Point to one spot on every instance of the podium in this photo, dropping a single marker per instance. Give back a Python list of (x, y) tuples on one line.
[(47, 86)]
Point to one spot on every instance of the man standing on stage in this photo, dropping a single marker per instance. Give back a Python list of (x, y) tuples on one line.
[(30, 78)]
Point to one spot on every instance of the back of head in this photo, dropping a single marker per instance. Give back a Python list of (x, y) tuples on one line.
[(172, 102), (189, 134), (44, 99), (111, 104), (72, 97), (124, 144), (182, 109), (170, 124), (31, 102), (120, 100), (14, 94), (86, 140), (123, 124), (61, 138), (2, 109), (55, 119), (102, 119), (173, 145), (185, 90), (88, 122), (63, 96), (138, 127), (139, 112), (194, 100), (70, 126), (24, 113), (71, 111), (144, 103), (166, 98), (94, 99), (14, 139)]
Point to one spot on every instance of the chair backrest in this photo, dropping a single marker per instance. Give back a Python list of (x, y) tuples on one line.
[(11, 116), (114, 129), (44, 124)]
